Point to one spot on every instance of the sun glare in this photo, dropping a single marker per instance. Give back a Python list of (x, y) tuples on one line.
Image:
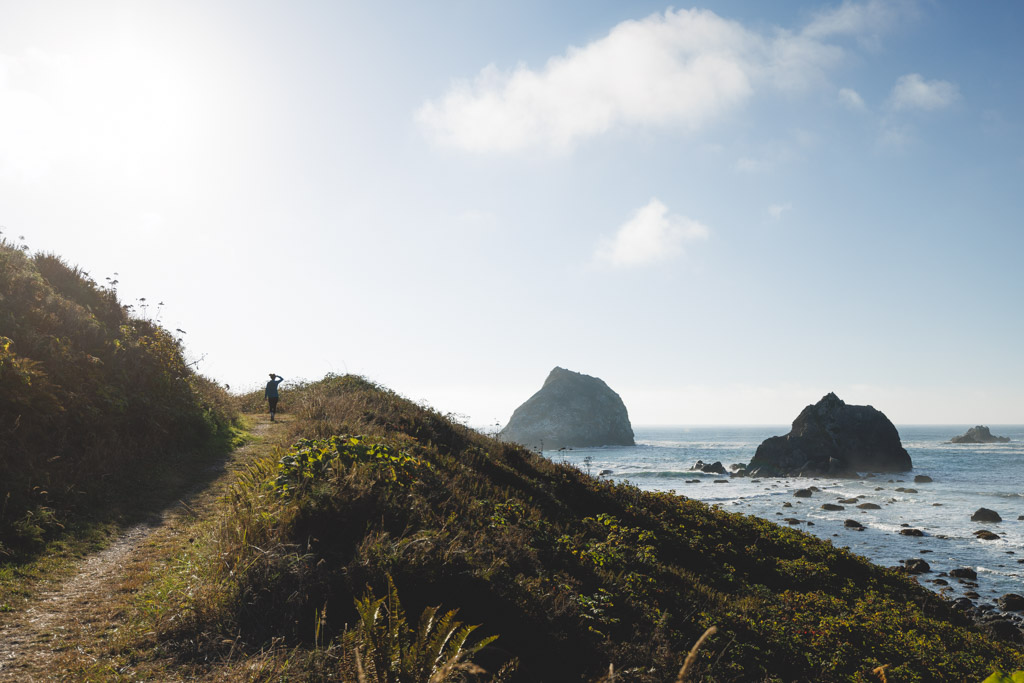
[(113, 104), (137, 107)]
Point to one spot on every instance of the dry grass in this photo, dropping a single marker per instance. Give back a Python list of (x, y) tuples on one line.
[(92, 618)]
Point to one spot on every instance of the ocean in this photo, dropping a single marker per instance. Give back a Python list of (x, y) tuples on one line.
[(965, 478)]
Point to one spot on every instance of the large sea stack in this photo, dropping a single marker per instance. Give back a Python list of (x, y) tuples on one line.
[(979, 434), (833, 439), (571, 410)]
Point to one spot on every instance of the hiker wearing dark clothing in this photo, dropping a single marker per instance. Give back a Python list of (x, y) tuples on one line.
[(270, 393)]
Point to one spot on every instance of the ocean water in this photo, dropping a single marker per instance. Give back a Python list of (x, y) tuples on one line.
[(965, 478)]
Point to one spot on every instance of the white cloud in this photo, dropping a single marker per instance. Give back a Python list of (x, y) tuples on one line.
[(775, 211), (913, 92), (866, 21), (895, 136), (682, 69), (851, 99), (651, 235)]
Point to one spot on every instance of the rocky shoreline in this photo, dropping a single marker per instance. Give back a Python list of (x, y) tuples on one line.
[(1004, 619)]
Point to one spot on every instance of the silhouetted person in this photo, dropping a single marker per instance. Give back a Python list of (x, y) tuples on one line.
[(270, 393)]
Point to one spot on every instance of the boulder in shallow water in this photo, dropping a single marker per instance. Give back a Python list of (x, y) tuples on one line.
[(831, 438), (911, 532), (869, 506), (710, 468), (979, 434), (571, 410), (853, 524), (962, 604), (922, 479), (986, 535), (963, 573), (986, 515), (916, 566), (1011, 602), (832, 507)]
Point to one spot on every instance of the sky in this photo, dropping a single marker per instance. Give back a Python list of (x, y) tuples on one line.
[(724, 211)]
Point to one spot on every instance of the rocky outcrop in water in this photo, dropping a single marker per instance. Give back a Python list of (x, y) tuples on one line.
[(985, 515), (1011, 602), (831, 438), (571, 410), (712, 468), (979, 434)]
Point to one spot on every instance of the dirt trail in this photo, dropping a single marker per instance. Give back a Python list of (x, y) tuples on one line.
[(81, 611)]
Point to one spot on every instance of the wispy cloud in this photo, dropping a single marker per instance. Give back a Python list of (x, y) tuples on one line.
[(851, 99), (651, 235), (682, 70), (913, 92), (775, 211), (895, 136), (865, 21)]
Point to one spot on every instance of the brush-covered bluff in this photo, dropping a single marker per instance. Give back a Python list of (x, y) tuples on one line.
[(572, 573), (571, 410), (834, 439)]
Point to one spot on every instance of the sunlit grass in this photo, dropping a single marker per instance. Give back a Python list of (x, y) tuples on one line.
[(576, 576)]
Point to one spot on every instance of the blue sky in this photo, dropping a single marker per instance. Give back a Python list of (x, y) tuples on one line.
[(725, 211)]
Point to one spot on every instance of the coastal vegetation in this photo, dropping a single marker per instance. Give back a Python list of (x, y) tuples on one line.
[(371, 498), (96, 401)]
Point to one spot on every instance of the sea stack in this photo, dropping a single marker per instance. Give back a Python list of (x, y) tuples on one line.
[(979, 434), (571, 410), (831, 438)]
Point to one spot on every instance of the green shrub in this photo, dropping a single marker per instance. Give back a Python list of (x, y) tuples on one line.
[(91, 393), (313, 460), (437, 650)]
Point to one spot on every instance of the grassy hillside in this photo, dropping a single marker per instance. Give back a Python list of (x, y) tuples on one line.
[(319, 542), (91, 399)]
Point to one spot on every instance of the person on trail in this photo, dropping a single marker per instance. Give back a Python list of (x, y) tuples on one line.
[(270, 393)]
